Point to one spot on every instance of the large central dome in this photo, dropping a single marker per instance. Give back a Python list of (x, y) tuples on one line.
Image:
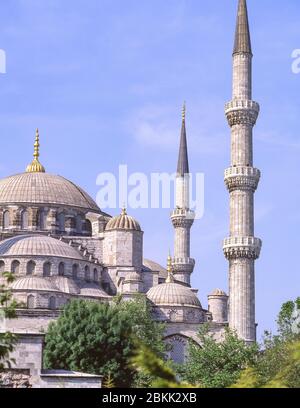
[(44, 188)]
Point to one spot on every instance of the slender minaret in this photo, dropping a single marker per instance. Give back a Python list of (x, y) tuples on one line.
[(182, 217), (242, 248)]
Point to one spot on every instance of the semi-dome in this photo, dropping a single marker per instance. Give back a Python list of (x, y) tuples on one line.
[(40, 188), (34, 283), (218, 292), (93, 290), (173, 294), (123, 222), (37, 245), (153, 266), (66, 285)]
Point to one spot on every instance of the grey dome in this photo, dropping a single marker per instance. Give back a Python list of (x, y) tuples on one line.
[(44, 188), (123, 222), (37, 245), (218, 292), (173, 294), (34, 283)]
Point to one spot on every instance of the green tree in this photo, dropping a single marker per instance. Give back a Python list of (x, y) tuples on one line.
[(276, 349), (217, 364), (93, 338), (101, 339), (7, 311)]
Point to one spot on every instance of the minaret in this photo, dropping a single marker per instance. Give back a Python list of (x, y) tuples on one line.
[(182, 217), (242, 248)]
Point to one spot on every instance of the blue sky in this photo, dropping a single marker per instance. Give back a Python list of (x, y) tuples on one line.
[(104, 80)]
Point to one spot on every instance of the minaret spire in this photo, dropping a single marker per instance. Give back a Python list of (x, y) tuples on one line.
[(183, 162), (182, 217), (242, 248), (35, 166), (242, 41)]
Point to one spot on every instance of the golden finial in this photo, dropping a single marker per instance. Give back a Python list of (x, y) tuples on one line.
[(184, 111), (35, 166), (170, 277), (124, 211)]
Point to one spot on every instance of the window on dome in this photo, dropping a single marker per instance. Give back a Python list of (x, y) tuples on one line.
[(15, 267), (88, 226), (6, 220), (42, 219), (61, 222), (87, 275), (96, 275), (61, 269), (52, 303), (75, 271), (30, 268), (24, 220), (47, 269), (79, 224), (2, 266), (30, 302)]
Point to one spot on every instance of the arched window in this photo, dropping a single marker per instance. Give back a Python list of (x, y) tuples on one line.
[(47, 269), (15, 267), (24, 220), (6, 220), (61, 222), (52, 303), (96, 275), (42, 219), (75, 271), (87, 275), (61, 269), (30, 302), (2, 267), (88, 226), (30, 269), (79, 224)]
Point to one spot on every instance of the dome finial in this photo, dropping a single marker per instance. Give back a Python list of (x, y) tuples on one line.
[(35, 166), (170, 277), (124, 210)]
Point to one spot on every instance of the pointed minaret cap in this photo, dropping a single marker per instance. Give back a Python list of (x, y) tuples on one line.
[(242, 42), (35, 166), (183, 161)]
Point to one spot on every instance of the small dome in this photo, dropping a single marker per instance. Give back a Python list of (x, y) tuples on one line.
[(37, 245), (34, 283), (66, 285), (93, 290), (123, 222), (218, 292), (173, 294)]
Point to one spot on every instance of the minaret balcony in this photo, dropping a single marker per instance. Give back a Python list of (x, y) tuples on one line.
[(182, 217), (242, 178), (242, 247), (180, 265), (242, 112)]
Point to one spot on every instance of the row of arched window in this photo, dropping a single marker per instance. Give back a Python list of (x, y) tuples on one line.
[(31, 302), (42, 221), (47, 270)]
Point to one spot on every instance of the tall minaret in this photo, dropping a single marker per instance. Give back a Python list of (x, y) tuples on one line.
[(182, 217), (242, 248)]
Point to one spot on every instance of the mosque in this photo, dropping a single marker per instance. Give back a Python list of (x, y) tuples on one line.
[(61, 246)]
